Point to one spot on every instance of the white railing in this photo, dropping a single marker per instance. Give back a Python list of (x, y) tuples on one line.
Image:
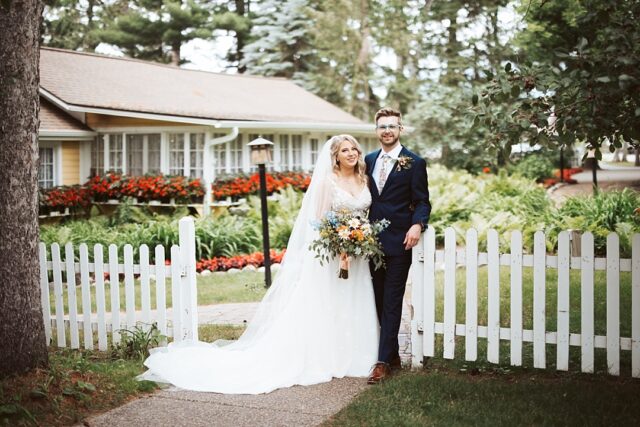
[(183, 323), (424, 326)]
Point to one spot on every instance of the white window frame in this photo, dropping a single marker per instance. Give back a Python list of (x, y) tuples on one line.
[(56, 146)]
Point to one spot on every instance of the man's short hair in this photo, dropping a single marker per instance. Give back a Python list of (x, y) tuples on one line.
[(388, 112)]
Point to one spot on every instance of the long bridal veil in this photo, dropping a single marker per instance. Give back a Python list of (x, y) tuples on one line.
[(288, 277)]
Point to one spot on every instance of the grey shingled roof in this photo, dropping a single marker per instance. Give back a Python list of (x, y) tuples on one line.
[(99, 81)]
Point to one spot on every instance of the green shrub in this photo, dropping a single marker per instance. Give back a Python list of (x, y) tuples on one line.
[(535, 166)]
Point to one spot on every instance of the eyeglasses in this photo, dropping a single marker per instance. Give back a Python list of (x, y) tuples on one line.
[(388, 127)]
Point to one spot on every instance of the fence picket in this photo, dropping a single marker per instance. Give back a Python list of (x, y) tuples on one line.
[(586, 303), (57, 294), (471, 316), (44, 291), (493, 297), (176, 298), (449, 293), (564, 258), (114, 285), (429, 292), (635, 306), (613, 304), (130, 293), (417, 297), (72, 301), (145, 291), (539, 300), (98, 258), (186, 227), (516, 298), (161, 304), (86, 296)]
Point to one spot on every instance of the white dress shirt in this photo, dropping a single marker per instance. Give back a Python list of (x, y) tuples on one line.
[(394, 154)]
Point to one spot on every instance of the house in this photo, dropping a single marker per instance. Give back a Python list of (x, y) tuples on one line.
[(101, 113)]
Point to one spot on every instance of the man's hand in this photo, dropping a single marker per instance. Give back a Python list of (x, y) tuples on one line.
[(412, 236)]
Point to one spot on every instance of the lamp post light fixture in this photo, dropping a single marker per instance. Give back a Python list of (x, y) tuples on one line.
[(260, 156)]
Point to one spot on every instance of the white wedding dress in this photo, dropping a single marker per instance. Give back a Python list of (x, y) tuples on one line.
[(310, 327)]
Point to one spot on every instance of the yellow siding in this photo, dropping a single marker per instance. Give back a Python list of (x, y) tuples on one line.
[(70, 163), (100, 120)]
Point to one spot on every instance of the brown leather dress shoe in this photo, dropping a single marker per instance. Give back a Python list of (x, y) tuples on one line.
[(379, 372)]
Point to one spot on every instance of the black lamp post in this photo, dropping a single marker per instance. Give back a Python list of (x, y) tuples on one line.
[(260, 156)]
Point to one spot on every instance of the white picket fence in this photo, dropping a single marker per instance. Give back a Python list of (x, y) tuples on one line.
[(183, 323), (424, 326)]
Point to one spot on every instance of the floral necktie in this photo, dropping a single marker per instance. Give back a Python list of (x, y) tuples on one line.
[(382, 178)]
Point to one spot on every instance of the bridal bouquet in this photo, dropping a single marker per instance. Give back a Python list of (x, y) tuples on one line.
[(347, 234)]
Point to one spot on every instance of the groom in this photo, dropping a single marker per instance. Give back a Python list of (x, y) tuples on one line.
[(399, 191)]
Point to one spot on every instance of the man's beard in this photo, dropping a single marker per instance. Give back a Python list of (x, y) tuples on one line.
[(393, 142)]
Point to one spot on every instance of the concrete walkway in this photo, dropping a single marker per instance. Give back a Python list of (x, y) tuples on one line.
[(294, 406)]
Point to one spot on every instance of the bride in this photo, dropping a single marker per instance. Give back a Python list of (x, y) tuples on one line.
[(311, 326)]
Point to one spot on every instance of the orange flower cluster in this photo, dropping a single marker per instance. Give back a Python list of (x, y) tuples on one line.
[(567, 173), (244, 185), (238, 261)]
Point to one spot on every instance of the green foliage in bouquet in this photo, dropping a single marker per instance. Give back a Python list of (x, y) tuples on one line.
[(348, 233)]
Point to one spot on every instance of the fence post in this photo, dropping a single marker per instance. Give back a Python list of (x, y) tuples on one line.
[(188, 288), (417, 299)]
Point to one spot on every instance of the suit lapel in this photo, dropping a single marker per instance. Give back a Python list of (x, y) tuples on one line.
[(373, 187)]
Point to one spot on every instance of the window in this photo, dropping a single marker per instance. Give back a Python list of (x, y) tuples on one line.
[(235, 155), (46, 168), (285, 163), (135, 154), (176, 154), (153, 154), (296, 153), (313, 142), (115, 152), (219, 156), (97, 156), (196, 152)]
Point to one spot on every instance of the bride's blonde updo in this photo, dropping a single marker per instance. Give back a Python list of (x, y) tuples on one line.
[(336, 141)]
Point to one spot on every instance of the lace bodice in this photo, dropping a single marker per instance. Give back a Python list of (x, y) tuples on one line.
[(342, 199)]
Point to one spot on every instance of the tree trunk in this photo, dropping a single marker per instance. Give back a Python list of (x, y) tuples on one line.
[(21, 323), (240, 38), (175, 54)]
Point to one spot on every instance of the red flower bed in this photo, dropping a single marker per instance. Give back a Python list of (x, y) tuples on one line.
[(59, 198), (244, 185), (238, 261), (182, 189)]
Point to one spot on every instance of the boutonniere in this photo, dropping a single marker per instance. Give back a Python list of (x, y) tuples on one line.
[(404, 162)]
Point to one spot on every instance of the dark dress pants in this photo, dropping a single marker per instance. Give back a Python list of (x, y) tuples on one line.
[(388, 285)]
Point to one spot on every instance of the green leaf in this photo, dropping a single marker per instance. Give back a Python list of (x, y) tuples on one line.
[(598, 154), (525, 124), (604, 79), (582, 43), (474, 99), (612, 148), (507, 67), (626, 78), (38, 394), (515, 90), (8, 409), (638, 112), (86, 386)]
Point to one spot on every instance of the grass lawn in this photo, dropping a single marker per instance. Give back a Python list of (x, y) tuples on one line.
[(245, 286), (447, 395), (80, 383)]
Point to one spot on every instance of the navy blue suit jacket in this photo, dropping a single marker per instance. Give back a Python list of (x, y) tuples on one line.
[(403, 201)]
